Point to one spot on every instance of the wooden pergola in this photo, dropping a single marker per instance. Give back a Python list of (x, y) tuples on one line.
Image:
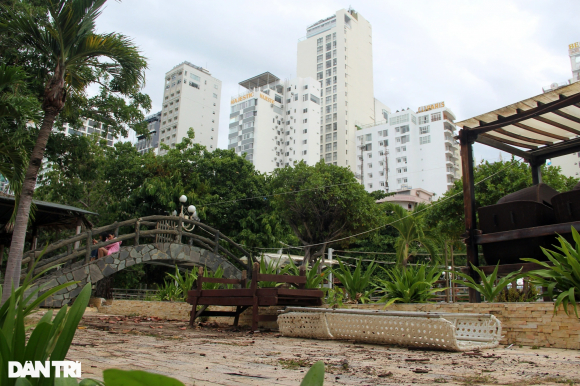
[(536, 129)]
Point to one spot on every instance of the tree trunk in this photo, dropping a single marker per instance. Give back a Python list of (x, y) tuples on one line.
[(13, 266)]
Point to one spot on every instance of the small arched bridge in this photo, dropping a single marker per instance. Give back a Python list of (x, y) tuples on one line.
[(71, 258)]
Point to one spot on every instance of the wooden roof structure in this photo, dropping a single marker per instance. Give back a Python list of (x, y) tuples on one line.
[(47, 215), (537, 128)]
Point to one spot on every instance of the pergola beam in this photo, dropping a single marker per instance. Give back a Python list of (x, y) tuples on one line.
[(528, 114), (487, 140)]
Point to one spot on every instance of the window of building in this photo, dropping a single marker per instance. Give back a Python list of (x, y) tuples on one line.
[(305, 131), (423, 119), (214, 95), (319, 76), (194, 85), (368, 137), (319, 41), (435, 117), (424, 129), (328, 64), (425, 139), (319, 49), (319, 59)]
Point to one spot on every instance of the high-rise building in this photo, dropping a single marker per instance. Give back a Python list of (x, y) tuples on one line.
[(409, 150), (145, 144), (337, 52), (89, 127), (276, 123), (191, 99)]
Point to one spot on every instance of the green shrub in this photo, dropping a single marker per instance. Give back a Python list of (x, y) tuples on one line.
[(409, 284), (50, 339), (313, 278), (563, 277), (513, 295), (270, 268), (488, 289), (356, 284)]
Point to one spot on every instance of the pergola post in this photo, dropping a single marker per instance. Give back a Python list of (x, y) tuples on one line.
[(536, 167), (466, 143)]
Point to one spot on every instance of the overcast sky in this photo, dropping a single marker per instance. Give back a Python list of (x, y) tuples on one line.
[(474, 55)]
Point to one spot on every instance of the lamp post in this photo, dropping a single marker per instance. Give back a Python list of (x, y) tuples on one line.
[(191, 209)]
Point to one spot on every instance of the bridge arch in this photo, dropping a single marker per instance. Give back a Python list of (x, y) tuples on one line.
[(173, 253)]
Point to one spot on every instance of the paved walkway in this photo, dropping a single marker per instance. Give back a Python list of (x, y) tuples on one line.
[(214, 355)]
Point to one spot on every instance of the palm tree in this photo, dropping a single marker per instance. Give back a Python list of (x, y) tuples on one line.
[(75, 52), (412, 232)]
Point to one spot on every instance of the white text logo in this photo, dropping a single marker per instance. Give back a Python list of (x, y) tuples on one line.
[(68, 369)]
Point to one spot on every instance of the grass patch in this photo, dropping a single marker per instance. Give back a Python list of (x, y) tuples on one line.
[(476, 380), (293, 364)]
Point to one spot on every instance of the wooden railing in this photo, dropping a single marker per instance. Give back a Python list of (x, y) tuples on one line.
[(74, 249)]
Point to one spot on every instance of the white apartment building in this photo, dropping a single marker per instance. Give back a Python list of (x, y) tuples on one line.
[(410, 150), (89, 127), (191, 98), (276, 123), (337, 52)]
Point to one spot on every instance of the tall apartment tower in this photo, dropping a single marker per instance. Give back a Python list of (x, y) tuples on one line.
[(191, 98), (337, 52), (574, 53), (409, 150), (276, 123)]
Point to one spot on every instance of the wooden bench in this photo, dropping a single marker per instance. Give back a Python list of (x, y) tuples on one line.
[(243, 298)]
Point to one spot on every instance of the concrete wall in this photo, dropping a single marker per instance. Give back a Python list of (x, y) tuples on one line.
[(529, 324)]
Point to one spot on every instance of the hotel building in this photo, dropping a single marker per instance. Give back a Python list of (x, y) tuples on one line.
[(145, 144), (276, 123)]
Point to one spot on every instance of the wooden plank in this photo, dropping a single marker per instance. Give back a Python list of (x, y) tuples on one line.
[(267, 292), (522, 138), (558, 125), (222, 292), (524, 115), (221, 281), (538, 131), (267, 300), (509, 142), (300, 292), (487, 140), (526, 233), (469, 207), (220, 301)]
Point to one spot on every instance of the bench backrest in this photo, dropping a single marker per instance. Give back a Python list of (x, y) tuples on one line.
[(200, 280), (299, 281)]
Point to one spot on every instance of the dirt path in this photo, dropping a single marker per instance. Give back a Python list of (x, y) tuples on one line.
[(218, 355)]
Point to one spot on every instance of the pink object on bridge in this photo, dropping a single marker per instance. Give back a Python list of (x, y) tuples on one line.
[(113, 248)]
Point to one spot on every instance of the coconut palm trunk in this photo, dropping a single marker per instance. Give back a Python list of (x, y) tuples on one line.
[(14, 264), (69, 43)]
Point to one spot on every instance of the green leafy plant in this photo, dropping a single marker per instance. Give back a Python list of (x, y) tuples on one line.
[(218, 274), (562, 279), (334, 297), (184, 282), (313, 278), (314, 376), (169, 292), (409, 284), (355, 284), (50, 339), (270, 268), (488, 289), (513, 295)]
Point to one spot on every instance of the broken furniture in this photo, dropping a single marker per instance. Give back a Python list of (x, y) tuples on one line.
[(427, 330), (254, 297)]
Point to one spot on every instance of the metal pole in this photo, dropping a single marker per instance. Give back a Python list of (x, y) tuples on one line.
[(330, 278)]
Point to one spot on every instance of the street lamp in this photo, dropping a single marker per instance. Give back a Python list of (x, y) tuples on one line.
[(191, 209)]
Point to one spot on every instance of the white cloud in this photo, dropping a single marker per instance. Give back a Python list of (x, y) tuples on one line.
[(476, 56)]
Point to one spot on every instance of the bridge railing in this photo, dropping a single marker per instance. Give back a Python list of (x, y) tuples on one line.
[(176, 233)]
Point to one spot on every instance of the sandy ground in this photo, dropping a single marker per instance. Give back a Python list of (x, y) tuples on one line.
[(218, 355)]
